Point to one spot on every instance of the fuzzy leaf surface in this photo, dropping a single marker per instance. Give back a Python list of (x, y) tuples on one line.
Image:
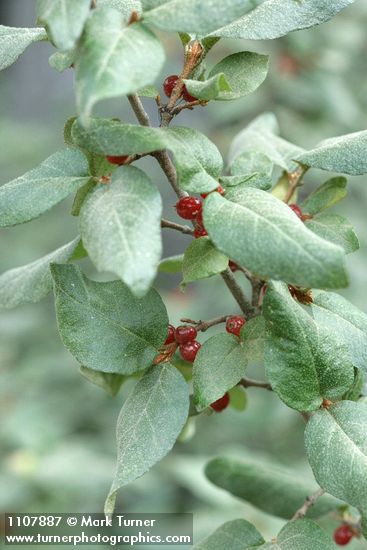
[(104, 325), (32, 194), (149, 423)]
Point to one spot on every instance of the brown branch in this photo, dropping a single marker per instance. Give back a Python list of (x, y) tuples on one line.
[(295, 180), (309, 502), (248, 383), (93, 4), (172, 225), (189, 105), (237, 293), (170, 171), (162, 156), (192, 59), (204, 325)]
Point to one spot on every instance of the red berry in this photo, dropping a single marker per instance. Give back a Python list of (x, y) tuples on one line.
[(169, 84), (296, 209), (185, 333), (234, 324), (200, 232), (233, 266), (343, 535), (221, 403), (188, 207), (219, 190), (189, 350), (187, 97), (171, 335), (117, 160)]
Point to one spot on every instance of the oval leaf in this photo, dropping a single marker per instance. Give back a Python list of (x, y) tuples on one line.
[(344, 154), (304, 362), (272, 489), (197, 159), (202, 260), (238, 534), (274, 18), (31, 282), (40, 189), (63, 19), (244, 72), (262, 233), (114, 59), (148, 425), (13, 42), (219, 365), (120, 225), (336, 445), (346, 321), (104, 326)]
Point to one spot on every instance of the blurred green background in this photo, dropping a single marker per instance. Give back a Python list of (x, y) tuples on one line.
[(57, 430)]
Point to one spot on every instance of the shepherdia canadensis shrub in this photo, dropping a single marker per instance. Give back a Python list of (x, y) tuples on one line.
[(246, 217)]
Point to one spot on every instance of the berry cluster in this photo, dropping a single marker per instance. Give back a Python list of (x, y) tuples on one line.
[(184, 336), (343, 534), (191, 208), (169, 85)]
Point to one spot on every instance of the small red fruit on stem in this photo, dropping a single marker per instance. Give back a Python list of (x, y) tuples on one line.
[(221, 403), (189, 350), (200, 232), (185, 333), (188, 207), (169, 84), (296, 209), (171, 335), (343, 535), (233, 266), (188, 97), (117, 159), (234, 324)]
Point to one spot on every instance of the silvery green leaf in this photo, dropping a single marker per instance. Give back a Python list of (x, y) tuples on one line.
[(269, 487), (325, 196), (197, 159), (124, 6), (194, 16), (244, 72), (64, 20), (149, 423), (14, 40), (344, 154), (268, 19), (348, 323), (32, 194), (110, 382), (202, 260), (336, 445), (238, 533), (262, 233), (336, 229), (104, 325), (114, 59), (33, 281), (208, 89), (219, 365), (261, 137), (120, 224), (60, 61), (304, 361)]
